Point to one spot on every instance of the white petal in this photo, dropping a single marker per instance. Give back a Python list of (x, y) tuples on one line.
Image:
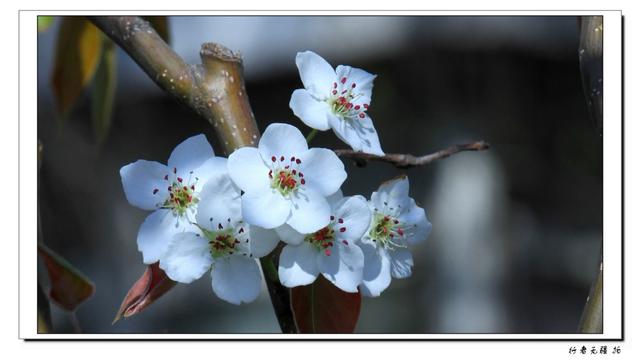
[(219, 203), (376, 275), (190, 154), (262, 241), (312, 112), (356, 216), (343, 267), (289, 235), (418, 227), (357, 133), (282, 140), (310, 212), (297, 265), (316, 73), (140, 180), (401, 263), (266, 209), (156, 233), (248, 171), (187, 257), (212, 167), (392, 196), (362, 79), (323, 171), (236, 279), (335, 198)]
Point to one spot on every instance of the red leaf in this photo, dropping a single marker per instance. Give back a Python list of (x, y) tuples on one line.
[(69, 287), (153, 284), (323, 308)]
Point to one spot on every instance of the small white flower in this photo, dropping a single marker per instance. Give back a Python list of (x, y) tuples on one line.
[(336, 99), (222, 243), (331, 251), (396, 223), (172, 191), (286, 182)]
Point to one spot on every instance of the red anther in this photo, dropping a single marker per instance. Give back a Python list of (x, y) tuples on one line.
[(342, 100), (357, 107), (219, 226), (343, 92), (386, 218), (366, 106), (391, 236), (340, 220), (171, 195), (281, 158), (400, 232), (300, 174), (343, 229), (293, 158), (293, 171), (175, 170), (270, 174), (330, 243), (185, 188), (302, 181), (155, 191), (193, 187), (345, 242), (334, 92), (189, 198), (298, 161), (327, 252), (395, 221), (179, 179), (241, 231), (286, 167), (343, 80), (236, 241), (273, 158), (166, 177), (361, 115), (349, 105), (169, 188), (353, 85), (332, 217)]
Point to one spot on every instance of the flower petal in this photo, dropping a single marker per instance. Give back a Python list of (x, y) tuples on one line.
[(187, 257), (212, 167), (376, 275), (362, 79), (140, 180), (343, 267), (248, 171), (357, 133), (335, 199), (310, 212), (266, 209), (157, 231), (356, 216), (219, 203), (401, 263), (262, 241), (190, 154), (392, 196), (236, 279), (281, 140), (289, 235), (323, 171), (311, 111), (418, 227), (316, 74), (297, 265)]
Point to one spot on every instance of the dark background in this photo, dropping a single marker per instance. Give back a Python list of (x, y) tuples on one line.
[(516, 230)]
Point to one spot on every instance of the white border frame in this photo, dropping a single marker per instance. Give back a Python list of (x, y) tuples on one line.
[(612, 180)]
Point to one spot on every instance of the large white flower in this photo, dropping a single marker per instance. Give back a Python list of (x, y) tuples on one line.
[(336, 99), (286, 182), (331, 251), (397, 222), (171, 191), (222, 243)]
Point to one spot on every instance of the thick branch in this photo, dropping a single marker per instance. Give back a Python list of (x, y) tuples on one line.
[(405, 161), (214, 89)]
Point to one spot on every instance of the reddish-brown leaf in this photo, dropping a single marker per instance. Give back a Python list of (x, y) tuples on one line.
[(323, 308), (153, 284), (69, 287)]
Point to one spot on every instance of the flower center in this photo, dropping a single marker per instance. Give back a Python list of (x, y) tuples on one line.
[(385, 230), (342, 100), (223, 241), (324, 238), (182, 194), (285, 176)]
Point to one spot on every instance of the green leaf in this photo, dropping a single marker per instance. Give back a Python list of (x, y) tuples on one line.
[(161, 25), (69, 287), (145, 291), (104, 90), (77, 55), (323, 308), (45, 22)]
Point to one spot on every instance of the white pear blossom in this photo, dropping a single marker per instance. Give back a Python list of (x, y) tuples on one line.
[(171, 191), (221, 243), (396, 223), (331, 251), (286, 182), (336, 100)]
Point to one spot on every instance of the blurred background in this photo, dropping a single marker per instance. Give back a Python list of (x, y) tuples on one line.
[(517, 230)]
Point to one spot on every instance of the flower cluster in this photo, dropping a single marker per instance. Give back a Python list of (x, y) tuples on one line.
[(218, 215)]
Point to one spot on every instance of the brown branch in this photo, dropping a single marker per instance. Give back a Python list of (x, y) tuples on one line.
[(214, 89), (405, 161)]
